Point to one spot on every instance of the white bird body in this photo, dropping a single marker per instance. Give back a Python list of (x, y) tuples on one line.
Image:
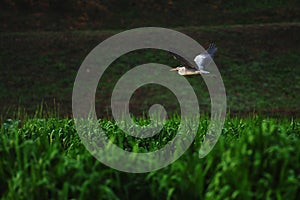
[(202, 61), (186, 71)]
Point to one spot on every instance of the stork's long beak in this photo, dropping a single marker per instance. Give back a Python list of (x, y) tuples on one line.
[(174, 69)]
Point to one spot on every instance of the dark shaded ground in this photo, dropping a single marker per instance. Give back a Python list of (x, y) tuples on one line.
[(260, 66), (55, 15)]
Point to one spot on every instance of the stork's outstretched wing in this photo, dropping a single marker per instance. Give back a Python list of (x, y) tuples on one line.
[(205, 58), (183, 60)]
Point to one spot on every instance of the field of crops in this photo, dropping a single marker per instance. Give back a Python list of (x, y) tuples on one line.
[(255, 158)]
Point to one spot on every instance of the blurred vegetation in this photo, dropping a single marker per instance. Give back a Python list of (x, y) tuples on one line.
[(255, 158)]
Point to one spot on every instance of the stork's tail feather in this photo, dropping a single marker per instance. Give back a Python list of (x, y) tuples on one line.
[(204, 72)]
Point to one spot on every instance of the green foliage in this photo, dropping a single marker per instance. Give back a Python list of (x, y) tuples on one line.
[(255, 158)]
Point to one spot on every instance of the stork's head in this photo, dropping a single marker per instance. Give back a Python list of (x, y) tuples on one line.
[(181, 70)]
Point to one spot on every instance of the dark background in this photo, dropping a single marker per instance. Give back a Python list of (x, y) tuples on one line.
[(54, 15), (44, 42)]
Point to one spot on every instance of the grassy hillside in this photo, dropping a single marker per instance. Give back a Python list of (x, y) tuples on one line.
[(259, 65)]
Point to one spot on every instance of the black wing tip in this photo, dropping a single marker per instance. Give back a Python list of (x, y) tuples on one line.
[(212, 48), (212, 45)]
